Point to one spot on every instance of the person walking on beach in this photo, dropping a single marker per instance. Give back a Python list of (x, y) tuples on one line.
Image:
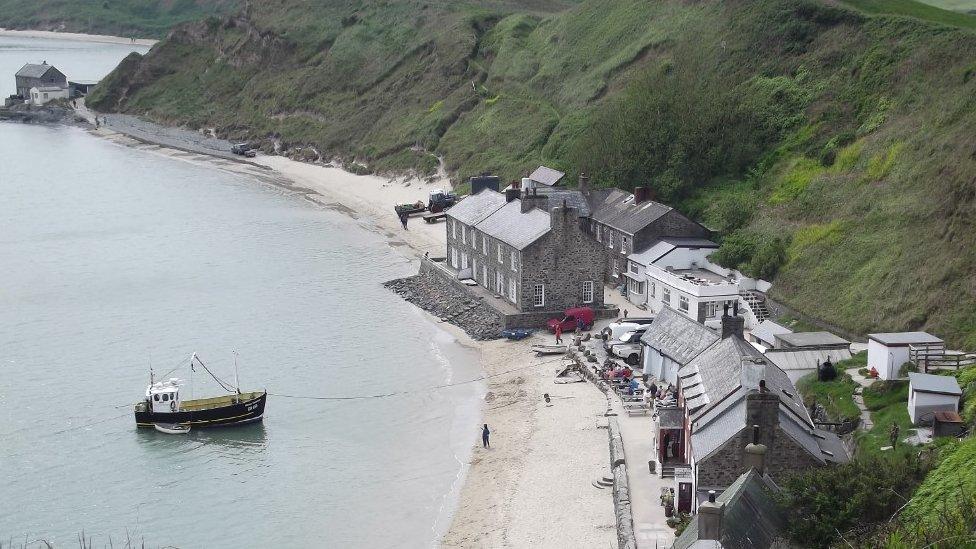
[(559, 333), (484, 436), (403, 220)]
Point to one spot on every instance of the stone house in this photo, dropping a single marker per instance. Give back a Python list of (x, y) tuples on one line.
[(727, 390), (624, 223), (524, 247), (39, 76)]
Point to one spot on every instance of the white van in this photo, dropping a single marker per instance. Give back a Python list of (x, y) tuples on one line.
[(614, 330)]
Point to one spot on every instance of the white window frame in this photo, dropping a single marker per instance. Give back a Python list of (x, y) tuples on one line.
[(684, 304), (484, 244), (635, 286), (615, 266), (501, 254), (598, 231), (464, 260), (454, 258), (666, 295), (623, 243), (512, 289), (484, 275), (634, 267), (587, 291), (514, 261), (711, 309), (499, 282), (539, 295), (454, 232), (651, 286), (610, 239), (464, 234)]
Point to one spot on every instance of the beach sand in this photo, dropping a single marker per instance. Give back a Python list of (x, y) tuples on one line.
[(533, 487), (77, 37)]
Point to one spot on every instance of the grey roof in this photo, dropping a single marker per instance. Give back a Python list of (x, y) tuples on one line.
[(33, 70), (904, 338), (751, 516), (928, 383), (726, 424), (663, 247), (619, 211), (805, 359), (473, 209), (572, 198), (812, 339), (767, 329), (49, 88), (677, 336), (513, 227), (670, 418), (546, 176), (724, 366)]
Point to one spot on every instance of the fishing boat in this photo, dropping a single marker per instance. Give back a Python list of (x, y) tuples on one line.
[(550, 349), (164, 404)]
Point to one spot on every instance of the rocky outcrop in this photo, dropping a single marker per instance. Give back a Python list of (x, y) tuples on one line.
[(447, 302)]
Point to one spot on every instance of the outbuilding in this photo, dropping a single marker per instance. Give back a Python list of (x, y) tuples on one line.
[(929, 394), (887, 352), (818, 340), (45, 94)]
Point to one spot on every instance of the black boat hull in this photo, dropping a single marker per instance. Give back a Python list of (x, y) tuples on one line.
[(247, 411)]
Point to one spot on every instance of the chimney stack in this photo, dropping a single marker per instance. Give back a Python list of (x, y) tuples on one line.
[(710, 519), (511, 193), (734, 324), (641, 194), (755, 457), (584, 182), (532, 199)]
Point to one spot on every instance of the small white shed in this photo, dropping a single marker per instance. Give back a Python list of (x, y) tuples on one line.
[(41, 96), (928, 394), (887, 352)]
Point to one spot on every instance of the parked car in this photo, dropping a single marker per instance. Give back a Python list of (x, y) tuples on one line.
[(628, 347), (570, 316), (240, 148), (614, 330)]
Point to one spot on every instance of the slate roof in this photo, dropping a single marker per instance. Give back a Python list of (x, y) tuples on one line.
[(475, 208), (546, 176), (513, 227), (573, 198), (618, 211), (677, 336), (722, 367), (33, 70), (904, 338), (751, 518), (791, 360), (665, 246), (928, 383), (812, 339), (767, 329)]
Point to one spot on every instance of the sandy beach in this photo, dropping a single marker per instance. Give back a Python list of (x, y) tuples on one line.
[(77, 37), (533, 487)]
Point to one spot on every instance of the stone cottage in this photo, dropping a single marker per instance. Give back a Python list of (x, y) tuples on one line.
[(625, 223), (39, 76), (526, 247), (727, 390)]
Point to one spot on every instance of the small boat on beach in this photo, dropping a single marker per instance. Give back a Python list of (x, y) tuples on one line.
[(165, 409), (550, 349)]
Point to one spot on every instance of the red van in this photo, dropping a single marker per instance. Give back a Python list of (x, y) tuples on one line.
[(568, 322)]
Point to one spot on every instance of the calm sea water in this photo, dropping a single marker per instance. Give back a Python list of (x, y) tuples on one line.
[(110, 257)]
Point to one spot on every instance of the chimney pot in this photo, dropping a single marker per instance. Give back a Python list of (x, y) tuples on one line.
[(762, 388), (755, 453), (640, 195), (584, 182), (711, 496), (710, 519)]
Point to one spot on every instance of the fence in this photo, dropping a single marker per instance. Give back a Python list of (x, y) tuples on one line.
[(934, 356)]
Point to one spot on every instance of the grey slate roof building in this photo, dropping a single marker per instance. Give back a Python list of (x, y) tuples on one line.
[(801, 361), (750, 518), (731, 386), (670, 342), (40, 75), (929, 383), (765, 334), (530, 250), (904, 339), (626, 223), (811, 339), (547, 176)]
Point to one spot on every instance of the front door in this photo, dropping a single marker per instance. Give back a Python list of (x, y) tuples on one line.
[(684, 497)]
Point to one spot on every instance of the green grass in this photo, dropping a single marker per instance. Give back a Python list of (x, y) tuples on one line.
[(950, 485), (968, 6), (888, 404), (919, 10), (835, 396), (138, 18)]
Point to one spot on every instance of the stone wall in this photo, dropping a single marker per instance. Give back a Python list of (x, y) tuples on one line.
[(783, 456), (437, 294)]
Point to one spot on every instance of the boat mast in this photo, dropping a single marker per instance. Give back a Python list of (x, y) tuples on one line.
[(237, 380)]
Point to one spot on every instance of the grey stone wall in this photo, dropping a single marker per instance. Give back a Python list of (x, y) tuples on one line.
[(562, 260)]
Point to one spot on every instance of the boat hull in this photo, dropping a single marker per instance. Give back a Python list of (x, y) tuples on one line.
[(236, 413)]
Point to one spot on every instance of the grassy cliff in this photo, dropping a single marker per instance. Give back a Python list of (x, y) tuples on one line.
[(831, 145), (136, 18)]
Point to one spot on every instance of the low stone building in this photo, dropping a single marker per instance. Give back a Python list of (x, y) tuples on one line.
[(44, 95), (42, 75), (533, 253)]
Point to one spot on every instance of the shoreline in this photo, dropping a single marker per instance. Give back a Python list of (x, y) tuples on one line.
[(78, 37), (502, 497)]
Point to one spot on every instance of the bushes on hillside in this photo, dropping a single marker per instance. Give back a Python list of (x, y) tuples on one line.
[(754, 255)]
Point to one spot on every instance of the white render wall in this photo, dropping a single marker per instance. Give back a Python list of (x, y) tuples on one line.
[(922, 406), (886, 360)]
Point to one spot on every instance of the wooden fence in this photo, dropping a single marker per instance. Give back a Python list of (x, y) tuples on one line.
[(934, 356)]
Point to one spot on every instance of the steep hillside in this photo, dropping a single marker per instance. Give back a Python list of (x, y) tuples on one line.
[(136, 18), (831, 148)]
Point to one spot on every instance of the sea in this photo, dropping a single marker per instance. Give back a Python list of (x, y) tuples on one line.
[(115, 261)]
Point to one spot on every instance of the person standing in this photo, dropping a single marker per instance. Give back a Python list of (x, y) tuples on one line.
[(403, 220), (559, 333), (484, 436)]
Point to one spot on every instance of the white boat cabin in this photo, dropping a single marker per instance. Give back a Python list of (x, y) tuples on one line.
[(164, 396)]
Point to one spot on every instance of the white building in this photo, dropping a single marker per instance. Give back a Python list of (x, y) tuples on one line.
[(42, 95), (928, 394), (676, 272), (764, 335), (670, 342), (887, 352)]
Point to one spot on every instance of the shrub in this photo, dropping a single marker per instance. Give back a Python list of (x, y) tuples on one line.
[(736, 250), (769, 257)]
